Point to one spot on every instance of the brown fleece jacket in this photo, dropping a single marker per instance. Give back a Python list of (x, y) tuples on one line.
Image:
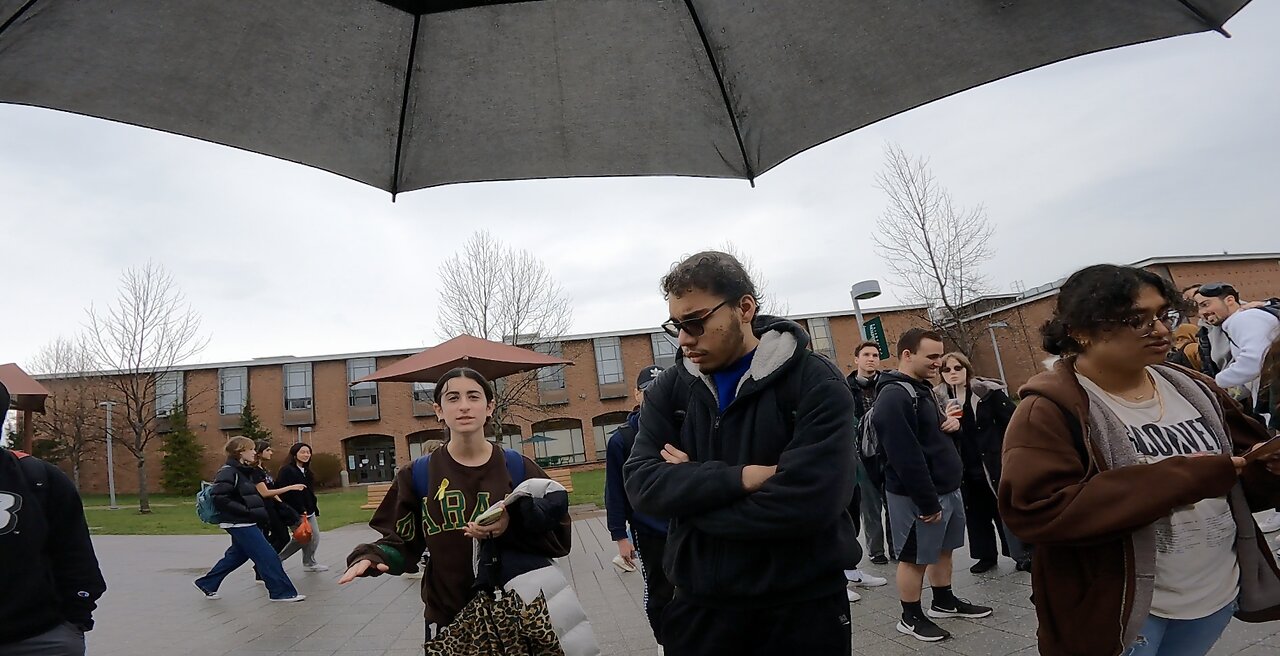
[(1092, 524)]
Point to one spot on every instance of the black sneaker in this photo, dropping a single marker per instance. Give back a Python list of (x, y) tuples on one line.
[(1023, 566), (921, 629), (983, 566), (958, 608), (879, 560)]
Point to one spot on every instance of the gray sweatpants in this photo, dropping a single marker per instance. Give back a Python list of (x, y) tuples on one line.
[(61, 640), (308, 549)]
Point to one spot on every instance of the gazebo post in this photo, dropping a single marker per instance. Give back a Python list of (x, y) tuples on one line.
[(28, 430)]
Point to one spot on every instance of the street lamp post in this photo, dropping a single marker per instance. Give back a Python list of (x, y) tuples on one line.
[(111, 469), (867, 289), (991, 328)]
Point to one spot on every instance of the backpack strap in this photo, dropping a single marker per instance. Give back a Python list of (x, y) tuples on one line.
[(422, 477)]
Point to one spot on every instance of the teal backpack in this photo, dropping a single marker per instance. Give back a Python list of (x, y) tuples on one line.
[(204, 501)]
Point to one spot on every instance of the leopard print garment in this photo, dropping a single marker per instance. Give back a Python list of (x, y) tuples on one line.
[(488, 627)]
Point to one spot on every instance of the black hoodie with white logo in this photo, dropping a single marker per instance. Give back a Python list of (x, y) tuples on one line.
[(47, 565)]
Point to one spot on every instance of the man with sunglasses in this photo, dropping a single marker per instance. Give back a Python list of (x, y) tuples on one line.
[(748, 448), (1250, 330)]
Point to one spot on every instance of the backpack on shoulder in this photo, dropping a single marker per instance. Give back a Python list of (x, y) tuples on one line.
[(870, 446), (205, 509)]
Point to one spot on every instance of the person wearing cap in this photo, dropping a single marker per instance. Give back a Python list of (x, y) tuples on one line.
[(649, 533), (1250, 328), (51, 577)]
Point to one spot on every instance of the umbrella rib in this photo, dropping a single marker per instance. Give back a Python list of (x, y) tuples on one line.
[(1205, 18), (14, 18), (724, 92), (404, 106)]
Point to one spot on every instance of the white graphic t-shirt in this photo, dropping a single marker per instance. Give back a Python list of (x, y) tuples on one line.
[(1197, 573)]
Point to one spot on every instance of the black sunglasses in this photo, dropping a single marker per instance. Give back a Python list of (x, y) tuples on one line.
[(694, 327), (1216, 289), (947, 370)]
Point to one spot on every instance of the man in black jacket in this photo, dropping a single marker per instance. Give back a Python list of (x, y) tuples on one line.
[(862, 382), (50, 574), (922, 484), (747, 446)]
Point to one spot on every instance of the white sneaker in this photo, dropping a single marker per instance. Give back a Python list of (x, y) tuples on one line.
[(286, 600), (1268, 521), (315, 568), (853, 595), (622, 564), (863, 579)]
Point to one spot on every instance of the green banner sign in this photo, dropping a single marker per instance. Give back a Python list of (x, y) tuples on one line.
[(874, 330)]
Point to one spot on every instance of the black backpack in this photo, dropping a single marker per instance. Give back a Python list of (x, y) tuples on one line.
[(870, 447)]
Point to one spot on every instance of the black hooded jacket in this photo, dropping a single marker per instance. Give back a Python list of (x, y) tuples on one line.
[(786, 542), (923, 461), (47, 564)]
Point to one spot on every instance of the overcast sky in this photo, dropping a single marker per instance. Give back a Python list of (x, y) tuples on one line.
[(1167, 148)]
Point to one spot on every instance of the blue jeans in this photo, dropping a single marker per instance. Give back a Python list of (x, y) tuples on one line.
[(1162, 637), (247, 544)]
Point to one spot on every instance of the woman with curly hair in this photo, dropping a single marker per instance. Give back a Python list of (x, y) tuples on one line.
[(1127, 474)]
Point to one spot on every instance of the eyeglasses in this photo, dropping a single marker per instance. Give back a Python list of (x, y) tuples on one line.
[(1147, 325), (947, 370), (694, 327)]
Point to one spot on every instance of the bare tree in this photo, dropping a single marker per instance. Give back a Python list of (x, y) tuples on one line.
[(72, 420), (136, 344), (495, 292), (763, 285), (932, 247)]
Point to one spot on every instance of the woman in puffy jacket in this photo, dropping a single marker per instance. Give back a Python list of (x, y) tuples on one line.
[(241, 509)]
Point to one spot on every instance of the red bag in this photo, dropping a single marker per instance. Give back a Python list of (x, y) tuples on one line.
[(302, 534)]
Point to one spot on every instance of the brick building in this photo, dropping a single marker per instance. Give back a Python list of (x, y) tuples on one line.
[(376, 427)]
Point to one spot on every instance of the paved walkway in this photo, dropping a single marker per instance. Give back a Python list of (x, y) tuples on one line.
[(152, 608)]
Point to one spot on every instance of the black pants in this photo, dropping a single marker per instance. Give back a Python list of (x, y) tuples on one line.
[(658, 590), (855, 511), (820, 627), (982, 520)]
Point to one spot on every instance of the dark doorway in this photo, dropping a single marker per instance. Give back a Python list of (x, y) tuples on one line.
[(371, 458)]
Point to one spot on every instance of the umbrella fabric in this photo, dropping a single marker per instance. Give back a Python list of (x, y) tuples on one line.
[(492, 359), (408, 94)]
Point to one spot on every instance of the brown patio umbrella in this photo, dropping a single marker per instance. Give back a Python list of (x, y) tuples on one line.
[(26, 394), (493, 359)]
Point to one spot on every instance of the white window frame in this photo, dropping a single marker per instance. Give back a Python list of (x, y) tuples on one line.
[(551, 378), (659, 342), (240, 375), (168, 392), (305, 402), (609, 366), (358, 368), (820, 332)]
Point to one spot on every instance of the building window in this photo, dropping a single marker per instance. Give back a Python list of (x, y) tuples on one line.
[(361, 394), (168, 393), (232, 390), (664, 349), (424, 392), (820, 331), (297, 386), (608, 360), (603, 426), (510, 438), (558, 442), (550, 378)]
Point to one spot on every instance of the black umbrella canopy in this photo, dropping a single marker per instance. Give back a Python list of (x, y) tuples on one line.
[(404, 94)]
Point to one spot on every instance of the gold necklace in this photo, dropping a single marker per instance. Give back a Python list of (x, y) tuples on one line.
[(1155, 390)]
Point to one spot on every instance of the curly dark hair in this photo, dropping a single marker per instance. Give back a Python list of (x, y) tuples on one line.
[(1100, 297), (714, 272)]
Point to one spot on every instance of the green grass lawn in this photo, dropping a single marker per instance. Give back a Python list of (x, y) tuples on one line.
[(174, 515)]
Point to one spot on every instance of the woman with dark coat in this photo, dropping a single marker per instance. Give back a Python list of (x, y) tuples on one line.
[(241, 509), (297, 471), (985, 413)]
